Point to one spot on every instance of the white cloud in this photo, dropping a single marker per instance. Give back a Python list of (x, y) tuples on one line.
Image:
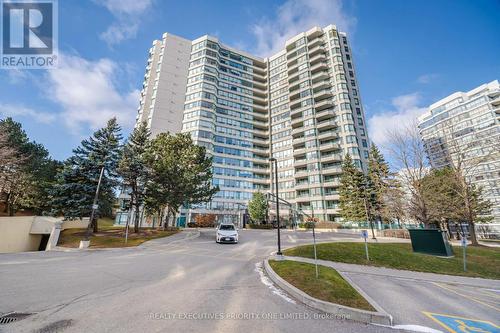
[(88, 94), (427, 78), (18, 75), (128, 16), (15, 111), (118, 32), (295, 16), (128, 7), (405, 109)]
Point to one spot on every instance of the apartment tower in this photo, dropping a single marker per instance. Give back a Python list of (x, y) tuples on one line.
[(464, 129), (301, 106)]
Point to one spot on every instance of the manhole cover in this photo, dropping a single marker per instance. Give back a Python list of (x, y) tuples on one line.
[(12, 317)]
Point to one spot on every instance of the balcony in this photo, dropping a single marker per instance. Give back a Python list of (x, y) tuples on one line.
[(299, 151), (331, 183), (321, 94), (300, 162), (332, 169), (325, 84), (331, 210), (332, 197), (302, 186), (325, 114), (297, 122), (298, 141), (329, 146), (315, 42), (297, 130), (327, 124), (494, 93), (320, 76), (318, 54), (324, 104), (319, 67), (327, 135), (302, 173)]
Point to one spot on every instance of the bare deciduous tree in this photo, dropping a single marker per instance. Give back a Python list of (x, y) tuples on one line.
[(12, 175), (465, 157), (408, 155)]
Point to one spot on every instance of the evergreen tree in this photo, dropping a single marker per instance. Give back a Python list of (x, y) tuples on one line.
[(133, 169), (377, 182), (351, 191), (257, 207), (181, 174), (77, 181)]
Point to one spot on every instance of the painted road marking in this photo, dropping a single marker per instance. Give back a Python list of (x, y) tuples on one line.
[(466, 296), (456, 324)]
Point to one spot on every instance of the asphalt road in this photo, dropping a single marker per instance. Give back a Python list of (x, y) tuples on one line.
[(415, 301), (179, 284)]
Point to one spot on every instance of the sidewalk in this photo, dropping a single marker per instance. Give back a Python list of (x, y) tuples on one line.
[(412, 275)]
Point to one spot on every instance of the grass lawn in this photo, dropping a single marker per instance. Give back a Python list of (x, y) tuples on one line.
[(329, 286), (481, 261), (109, 236)]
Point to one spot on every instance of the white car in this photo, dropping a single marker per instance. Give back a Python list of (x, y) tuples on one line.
[(226, 233)]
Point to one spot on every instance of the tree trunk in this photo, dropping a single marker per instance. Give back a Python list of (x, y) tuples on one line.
[(472, 233), (7, 201), (448, 229), (158, 217), (94, 225), (166, 219), (10, 209), (173, 219), (136, 218)]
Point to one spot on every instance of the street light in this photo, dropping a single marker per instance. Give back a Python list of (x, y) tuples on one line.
[(272, 159)]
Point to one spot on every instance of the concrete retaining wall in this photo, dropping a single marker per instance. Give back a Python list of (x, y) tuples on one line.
[(15, 234), (24, 233)]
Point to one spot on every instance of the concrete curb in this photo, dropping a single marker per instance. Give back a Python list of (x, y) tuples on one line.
[(358, 315)]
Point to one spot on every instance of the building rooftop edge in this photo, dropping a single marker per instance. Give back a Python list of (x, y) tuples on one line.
[(455, 95), (247, 54)]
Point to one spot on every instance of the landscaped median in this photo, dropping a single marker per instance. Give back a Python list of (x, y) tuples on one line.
[(329, 293), (482, 261), (110, 237)]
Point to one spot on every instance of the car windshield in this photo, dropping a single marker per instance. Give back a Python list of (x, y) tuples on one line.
[(226, 227)]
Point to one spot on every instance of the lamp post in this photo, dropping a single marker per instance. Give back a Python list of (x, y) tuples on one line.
[(272, 159)]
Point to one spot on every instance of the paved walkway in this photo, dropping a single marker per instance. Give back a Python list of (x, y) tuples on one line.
[(396, 273)]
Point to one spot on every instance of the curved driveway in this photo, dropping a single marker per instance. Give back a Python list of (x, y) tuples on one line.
[(174, 284)]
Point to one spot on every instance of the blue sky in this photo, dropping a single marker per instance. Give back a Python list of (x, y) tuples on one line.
[(407, 54)]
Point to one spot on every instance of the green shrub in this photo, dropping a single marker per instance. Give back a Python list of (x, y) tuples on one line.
[(259, 226)]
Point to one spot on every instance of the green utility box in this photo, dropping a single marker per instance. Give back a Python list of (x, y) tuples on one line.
[(430, 241)]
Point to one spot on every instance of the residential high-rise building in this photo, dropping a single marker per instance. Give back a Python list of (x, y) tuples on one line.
[(301, 106), (464, 129), (164, 89)]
